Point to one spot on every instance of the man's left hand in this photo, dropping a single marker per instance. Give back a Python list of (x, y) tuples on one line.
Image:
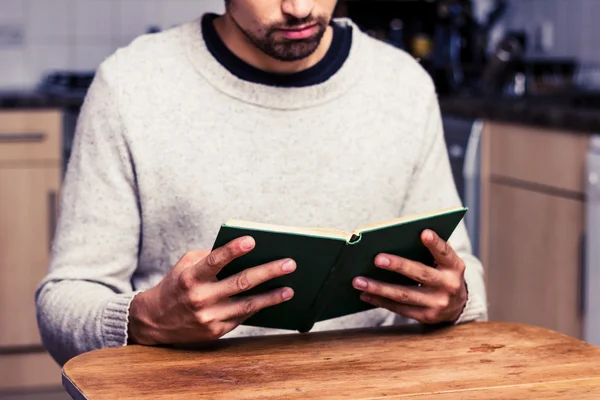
[(441, 295)]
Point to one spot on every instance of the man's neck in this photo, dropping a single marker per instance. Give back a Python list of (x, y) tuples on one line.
[(245, 49)]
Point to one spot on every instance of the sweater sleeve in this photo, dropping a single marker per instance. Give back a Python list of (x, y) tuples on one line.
[(433, 188), (83, 301)]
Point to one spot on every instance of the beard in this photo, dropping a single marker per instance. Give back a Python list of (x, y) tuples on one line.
[(268, 38)]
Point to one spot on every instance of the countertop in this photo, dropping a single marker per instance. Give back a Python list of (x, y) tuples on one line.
[(31, 99), (567, 112), (580, 113)]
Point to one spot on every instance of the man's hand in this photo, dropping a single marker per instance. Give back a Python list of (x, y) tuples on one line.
[(190, 305), (441, 295)]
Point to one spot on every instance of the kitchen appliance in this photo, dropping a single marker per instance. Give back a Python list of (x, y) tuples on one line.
[(591, 261), (501, 65), (472, 177), (463, 141)]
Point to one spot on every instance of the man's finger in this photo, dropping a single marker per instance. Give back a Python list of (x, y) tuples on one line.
[(428, 276), (252, 277), (230, 325), (395, 293), (193, 257), (212, 264), (442, 252), (243, 307), (414, 312)]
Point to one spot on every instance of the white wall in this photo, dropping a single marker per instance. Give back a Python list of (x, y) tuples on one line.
[(576, 30), (79, 34)]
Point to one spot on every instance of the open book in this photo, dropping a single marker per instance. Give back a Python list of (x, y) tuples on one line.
[(327, 261)]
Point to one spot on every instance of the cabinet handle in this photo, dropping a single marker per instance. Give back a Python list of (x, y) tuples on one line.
[(51, 217), (21, 137)]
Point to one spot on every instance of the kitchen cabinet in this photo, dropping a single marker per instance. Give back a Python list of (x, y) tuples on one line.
[(30, 177), (27, 215), (532, 224)]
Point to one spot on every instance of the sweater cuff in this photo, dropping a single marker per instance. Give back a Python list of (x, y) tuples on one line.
[(115, 320), (475, 308)]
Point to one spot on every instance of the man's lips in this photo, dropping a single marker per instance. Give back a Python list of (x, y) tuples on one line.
[(301, 32)]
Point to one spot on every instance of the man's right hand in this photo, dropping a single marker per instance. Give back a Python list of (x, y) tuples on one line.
[(190, 305)]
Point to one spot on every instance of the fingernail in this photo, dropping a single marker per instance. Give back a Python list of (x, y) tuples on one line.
[(382, 261), (288, 266), (287, 293), (428, 235), (247, 243), (360, 283), (365, 297)]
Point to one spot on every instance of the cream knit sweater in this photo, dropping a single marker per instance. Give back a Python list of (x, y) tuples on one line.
[(169, 145)]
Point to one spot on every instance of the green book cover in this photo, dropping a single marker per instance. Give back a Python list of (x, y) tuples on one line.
[(327, 261)]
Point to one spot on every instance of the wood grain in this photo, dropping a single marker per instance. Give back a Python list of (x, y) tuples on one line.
[(534, 254), (26, 209), (543, 156), (485, 358), (575, 389)]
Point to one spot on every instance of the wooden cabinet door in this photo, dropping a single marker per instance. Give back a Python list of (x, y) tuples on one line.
[(537, 156), (533, 262), (28, 210), (30, 136)]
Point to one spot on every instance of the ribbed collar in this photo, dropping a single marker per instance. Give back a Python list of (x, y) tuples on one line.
[(330, 63), (277, 97)]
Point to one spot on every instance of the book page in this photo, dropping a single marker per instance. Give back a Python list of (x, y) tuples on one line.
[(408, 218), (299, 230)]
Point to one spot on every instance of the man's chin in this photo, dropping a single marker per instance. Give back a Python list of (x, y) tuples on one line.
[(296, 50), (294, 55)]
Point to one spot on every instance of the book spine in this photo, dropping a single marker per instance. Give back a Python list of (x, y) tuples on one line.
[(328, 287)]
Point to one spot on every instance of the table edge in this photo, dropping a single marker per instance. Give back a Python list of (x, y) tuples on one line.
[(71, 388), (76, 394)]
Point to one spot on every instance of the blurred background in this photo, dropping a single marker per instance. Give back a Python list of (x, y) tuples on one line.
[(519, 89)]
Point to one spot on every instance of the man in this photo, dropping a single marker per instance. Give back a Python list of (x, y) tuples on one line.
[(272, 112)]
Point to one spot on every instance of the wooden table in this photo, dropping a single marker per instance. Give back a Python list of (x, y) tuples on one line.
[(473, 361)]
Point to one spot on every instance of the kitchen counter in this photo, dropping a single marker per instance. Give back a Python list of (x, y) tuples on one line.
[(35, 100), (579, 113), (69, 106), (572, 113)]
